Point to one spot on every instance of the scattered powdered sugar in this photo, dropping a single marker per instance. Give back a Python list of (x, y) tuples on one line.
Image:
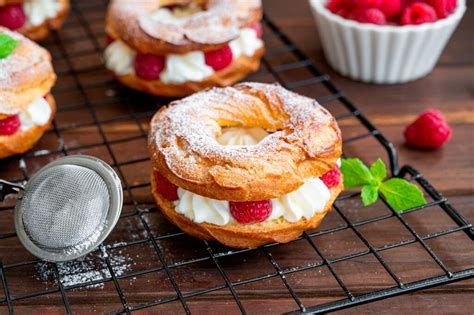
[(87, 243), (182, 26), (85, 270), (26, 57), (41, 153), (22, 165)]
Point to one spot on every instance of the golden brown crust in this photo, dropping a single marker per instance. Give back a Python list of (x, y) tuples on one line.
[(306, 142), (23, 141), (25, 75), (40, 32), (123, 22), (244, 236), (239, 68)]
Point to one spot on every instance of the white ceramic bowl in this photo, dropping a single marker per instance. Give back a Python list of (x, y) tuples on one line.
[(383, 54)]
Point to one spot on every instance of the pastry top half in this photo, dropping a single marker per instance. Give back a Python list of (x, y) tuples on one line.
[(302, 140), (180, 26), (25, 75)]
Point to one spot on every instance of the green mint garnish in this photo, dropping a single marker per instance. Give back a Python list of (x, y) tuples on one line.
[(369, 194), (402, 195), (356, 173), (399, 193), (7, 45), (378, 170)]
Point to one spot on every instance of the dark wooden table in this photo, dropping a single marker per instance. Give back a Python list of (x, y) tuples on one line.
[(391, 108), (450, 88)]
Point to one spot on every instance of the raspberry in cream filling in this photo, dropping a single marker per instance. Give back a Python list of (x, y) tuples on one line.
[(304, 202), (38, 113), (194, 66), (30, 13), (9, 125)]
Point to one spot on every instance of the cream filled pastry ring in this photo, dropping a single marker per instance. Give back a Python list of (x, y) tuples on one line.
[(33, 18), (245, 165), (177, 47), (26, 105)]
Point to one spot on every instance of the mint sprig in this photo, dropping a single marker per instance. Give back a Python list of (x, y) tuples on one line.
[(399, 193), (7, 45)]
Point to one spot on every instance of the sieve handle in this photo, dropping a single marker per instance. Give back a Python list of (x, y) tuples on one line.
[(7, 188)]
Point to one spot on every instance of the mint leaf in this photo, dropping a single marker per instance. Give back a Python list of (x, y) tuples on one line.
[(7, 45), (355, 173), (369, 195), (378, 170), (401, 195)]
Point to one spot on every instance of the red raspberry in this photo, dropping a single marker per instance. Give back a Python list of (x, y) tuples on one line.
[(443, 8), (335, 5), (332, 178), (418, 13), (108, 39), (362, 4), (372, 15), (12, 16), (148, 66), (9, 125), (258, 29), (220, 58), (165, 187), (391, 8), (345, 13), (429, 131), (251, 211)]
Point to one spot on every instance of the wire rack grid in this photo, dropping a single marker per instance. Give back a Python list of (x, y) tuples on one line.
[(97, 116)]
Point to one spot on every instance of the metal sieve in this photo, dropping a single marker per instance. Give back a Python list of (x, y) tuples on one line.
[(68, 207)]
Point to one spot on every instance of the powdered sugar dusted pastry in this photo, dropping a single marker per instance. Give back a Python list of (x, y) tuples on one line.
[(245, 165), (26, 105), (33, 18), (177, 47)]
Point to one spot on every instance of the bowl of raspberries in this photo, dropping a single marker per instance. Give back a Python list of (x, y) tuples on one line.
[(385, 41)]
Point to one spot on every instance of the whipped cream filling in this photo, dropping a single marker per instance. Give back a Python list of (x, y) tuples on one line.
[(119, 57), (202, 209), (179, 68), (38, 11), (246, 44), (37, 113), (304, 202), (186, 67), (241, 136)]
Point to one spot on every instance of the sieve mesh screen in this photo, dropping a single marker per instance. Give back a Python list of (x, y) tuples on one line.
[(64, 206)]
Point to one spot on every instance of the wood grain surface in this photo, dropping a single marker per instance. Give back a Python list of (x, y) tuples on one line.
[(120, 141)]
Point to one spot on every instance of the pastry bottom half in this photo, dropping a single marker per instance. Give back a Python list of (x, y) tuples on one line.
[(244, 235), (236, 71), (22, 141), (40, 32)]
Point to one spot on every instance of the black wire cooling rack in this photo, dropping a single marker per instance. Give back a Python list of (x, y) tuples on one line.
[(99, 117)]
